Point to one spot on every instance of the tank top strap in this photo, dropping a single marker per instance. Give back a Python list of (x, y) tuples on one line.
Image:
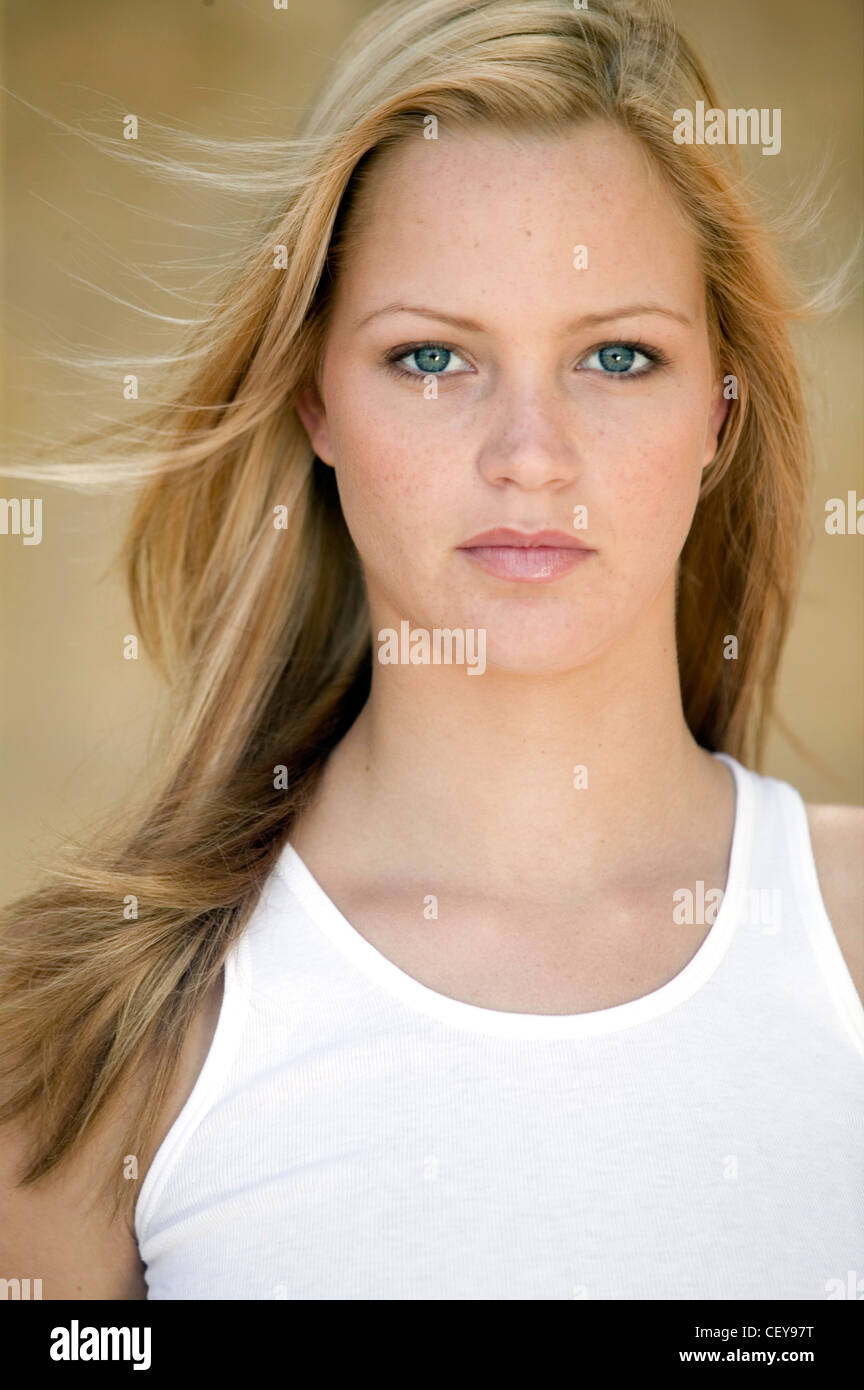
[(782, 891)]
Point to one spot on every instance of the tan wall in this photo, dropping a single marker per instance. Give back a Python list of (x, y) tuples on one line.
[(75, 716)]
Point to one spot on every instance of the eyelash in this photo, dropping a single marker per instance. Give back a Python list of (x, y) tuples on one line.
[(654, 355)]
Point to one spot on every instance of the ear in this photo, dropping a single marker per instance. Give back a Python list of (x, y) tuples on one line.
[(719, 411), (310, 408)]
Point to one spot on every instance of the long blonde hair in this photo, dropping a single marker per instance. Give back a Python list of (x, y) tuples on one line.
[(246, 587)]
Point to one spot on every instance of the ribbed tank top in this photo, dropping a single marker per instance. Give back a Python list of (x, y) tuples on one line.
[(354, 1134)]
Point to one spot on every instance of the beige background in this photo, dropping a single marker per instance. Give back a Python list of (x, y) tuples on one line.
[(75, 715)]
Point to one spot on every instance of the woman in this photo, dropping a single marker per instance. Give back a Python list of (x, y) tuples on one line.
[(469, 549)]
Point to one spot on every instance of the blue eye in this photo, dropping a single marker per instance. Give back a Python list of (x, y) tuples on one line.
[(620, 359), (624, 360), (430, 358)]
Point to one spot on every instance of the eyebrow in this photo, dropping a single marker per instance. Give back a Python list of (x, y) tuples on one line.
[(470, 325)]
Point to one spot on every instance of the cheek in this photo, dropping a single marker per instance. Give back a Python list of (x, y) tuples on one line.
[(648, 486), (391, 479)]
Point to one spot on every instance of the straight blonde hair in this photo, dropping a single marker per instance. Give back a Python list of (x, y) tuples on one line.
[(262, 630)]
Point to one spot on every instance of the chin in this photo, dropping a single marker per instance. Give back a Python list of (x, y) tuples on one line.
[(541, 643), (524, 659)]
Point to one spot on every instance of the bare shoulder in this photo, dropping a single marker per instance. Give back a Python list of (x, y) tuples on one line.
[(837, 835), (56, 1230), (55, 1233)]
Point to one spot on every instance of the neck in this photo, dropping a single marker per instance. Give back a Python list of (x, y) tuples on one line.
[(476, 773)]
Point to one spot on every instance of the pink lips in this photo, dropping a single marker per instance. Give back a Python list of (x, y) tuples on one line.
[(526, 555)]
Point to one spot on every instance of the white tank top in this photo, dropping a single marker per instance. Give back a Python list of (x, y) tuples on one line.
[(354, 1134)]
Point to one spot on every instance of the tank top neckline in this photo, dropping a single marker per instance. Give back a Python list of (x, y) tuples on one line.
[(392, 980)]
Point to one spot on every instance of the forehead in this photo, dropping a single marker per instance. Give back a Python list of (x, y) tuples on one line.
[(481, 211)]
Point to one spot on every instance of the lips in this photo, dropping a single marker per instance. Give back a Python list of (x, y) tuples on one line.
[(525, 540), (532, 556)]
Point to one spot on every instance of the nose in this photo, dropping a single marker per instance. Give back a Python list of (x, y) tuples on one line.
[(530, 441)]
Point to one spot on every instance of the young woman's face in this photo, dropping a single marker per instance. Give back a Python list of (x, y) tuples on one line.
[(482, 372)]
